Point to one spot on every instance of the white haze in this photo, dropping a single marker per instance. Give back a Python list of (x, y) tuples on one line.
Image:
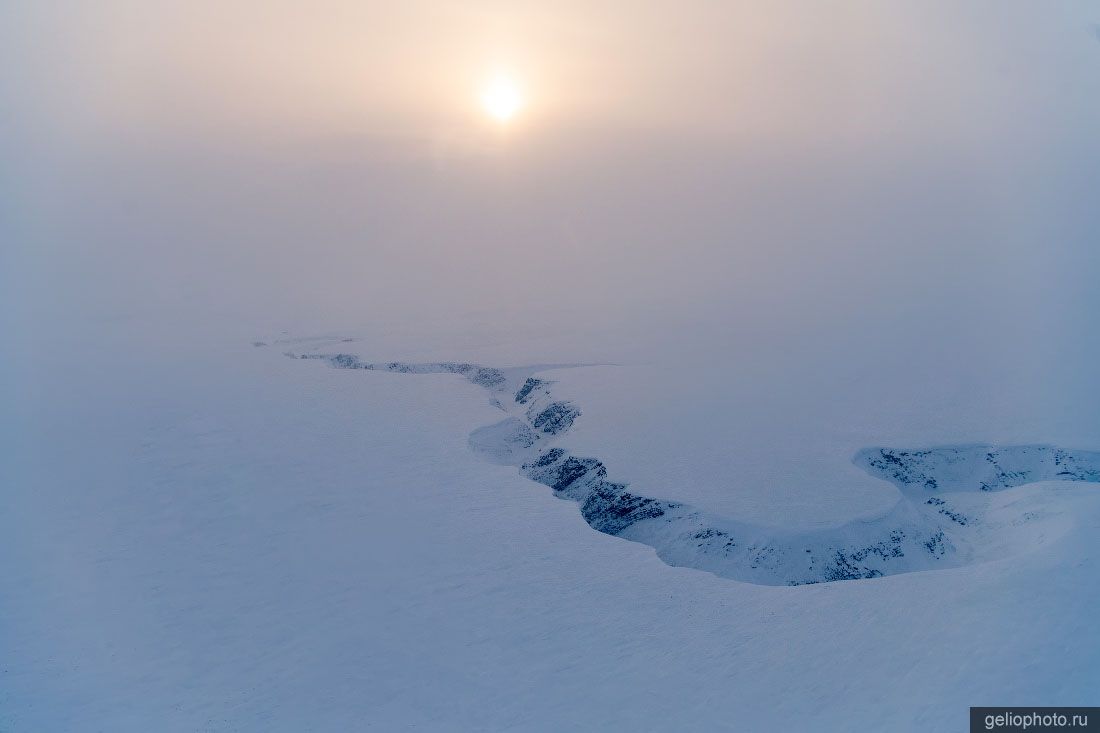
[(847, 191), (782, 232)]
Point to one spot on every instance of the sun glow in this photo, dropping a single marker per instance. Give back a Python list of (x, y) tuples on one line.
[(501, 98)]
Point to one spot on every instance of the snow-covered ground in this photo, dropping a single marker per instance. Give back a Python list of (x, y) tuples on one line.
[(808, 292), (922, 530), (213, 536)]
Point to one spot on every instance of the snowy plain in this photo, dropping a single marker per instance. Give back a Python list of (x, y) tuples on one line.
[(775, 242), (217, 537)]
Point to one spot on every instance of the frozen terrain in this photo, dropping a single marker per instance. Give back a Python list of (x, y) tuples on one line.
[(747, 381), (211, 536), (924, 530)]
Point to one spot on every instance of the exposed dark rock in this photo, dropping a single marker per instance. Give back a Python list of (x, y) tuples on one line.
[(573, 469), (979, 467), (843, 568), (548, 457), (902, 466), (610, 508), (525, 391), (556, 418), (488, 378), (683, 536), (946, 511), (346, 361), (570, 476), (936, 544)]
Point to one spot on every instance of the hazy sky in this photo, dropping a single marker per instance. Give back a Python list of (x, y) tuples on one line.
[(730, 74), (825, 170)]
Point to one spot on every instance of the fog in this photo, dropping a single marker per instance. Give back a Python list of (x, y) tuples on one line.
[(911, 185), (743, 246)]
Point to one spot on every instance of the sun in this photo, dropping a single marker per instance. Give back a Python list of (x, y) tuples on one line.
[(501, 98)]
